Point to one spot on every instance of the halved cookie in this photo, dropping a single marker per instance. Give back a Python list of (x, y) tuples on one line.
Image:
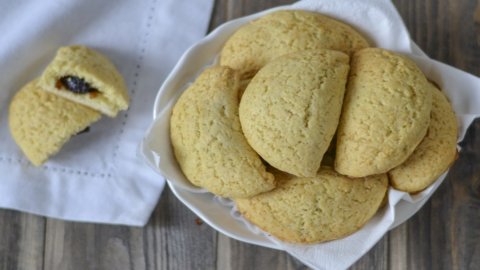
[(434, 154), (41, 123), (386, 113), (87, 77), (290, 110), (208, 141), (286, 31), (316, 209)]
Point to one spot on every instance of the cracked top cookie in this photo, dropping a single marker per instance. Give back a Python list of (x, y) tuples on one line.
[(208, 141), (435, 154), (290, 110), (87, 77), (286, 31), (386, 113), (315, 209)]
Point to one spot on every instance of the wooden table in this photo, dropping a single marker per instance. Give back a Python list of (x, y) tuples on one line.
[(444, 234)]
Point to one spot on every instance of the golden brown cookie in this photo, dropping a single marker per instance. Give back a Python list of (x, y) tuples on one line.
[(435, 154), (208, 141), (286, 31), (87, 77), (41, 123), (290, 110), (386, 113), (316, 209)]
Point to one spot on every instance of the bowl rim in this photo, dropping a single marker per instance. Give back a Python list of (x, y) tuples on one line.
[(173, 81), (229, 26)]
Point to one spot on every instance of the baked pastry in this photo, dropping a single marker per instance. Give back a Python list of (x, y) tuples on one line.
[(87, 77), (290, 110), (207, 138), (386, 113), (316, 209), (435, 154), (41, 123), (286, 31)]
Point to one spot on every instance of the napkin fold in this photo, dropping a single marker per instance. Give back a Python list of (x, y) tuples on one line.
[(97, 176)]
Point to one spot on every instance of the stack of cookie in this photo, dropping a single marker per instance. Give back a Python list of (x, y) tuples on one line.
[(305, 127), (75, 88)]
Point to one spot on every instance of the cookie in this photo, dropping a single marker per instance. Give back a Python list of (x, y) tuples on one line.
[(41, 123), (208, 141), (290, 110), (386, 113), (286, 31), (87, 77), (315, 209), (434, 154)]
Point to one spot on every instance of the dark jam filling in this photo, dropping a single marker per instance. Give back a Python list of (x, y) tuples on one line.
[(75, 84)]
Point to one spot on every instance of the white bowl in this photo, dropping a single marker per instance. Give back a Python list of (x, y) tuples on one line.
[(219, 213)]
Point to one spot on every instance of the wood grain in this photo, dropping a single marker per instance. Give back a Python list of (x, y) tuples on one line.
[(397, 248), (181, 240), (476, 16), (229, 250), (444, 234), (72, 245), (21, 240), (171, 240)]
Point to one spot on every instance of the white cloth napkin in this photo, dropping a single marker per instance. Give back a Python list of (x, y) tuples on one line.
[(378, 20), (97, 176)]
